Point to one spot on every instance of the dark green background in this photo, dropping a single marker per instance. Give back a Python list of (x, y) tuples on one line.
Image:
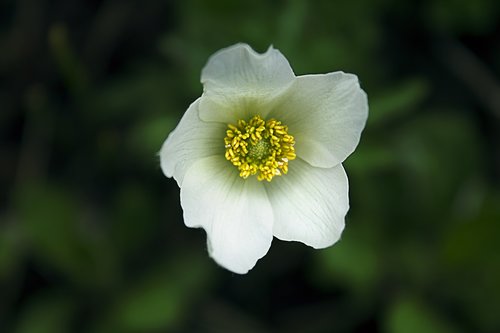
[(91, 232)]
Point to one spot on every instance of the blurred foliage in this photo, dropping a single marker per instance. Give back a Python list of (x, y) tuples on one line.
[(91, 232)]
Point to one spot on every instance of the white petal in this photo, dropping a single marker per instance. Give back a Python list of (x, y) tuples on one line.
[(309, 204), (235, 213), (191, 140), (239, 79), (325, 114)]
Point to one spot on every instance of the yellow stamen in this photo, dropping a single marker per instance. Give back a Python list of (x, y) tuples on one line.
[(259, 146)]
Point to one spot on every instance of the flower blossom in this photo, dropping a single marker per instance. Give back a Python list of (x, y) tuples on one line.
[(259, 154)]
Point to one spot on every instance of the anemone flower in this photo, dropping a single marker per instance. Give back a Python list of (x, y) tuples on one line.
[(259, 154)]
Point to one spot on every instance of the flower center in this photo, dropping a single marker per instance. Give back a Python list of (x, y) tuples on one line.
[(259, 147)]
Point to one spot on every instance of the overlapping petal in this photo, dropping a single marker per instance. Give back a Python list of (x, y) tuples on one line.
[(192, 139), (235, 213), (326, 114), (310, 204), (241, 82)]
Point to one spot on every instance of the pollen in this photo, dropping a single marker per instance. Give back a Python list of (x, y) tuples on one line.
[(259, 147)]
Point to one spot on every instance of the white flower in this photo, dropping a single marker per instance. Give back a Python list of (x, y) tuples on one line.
[(259, 154)]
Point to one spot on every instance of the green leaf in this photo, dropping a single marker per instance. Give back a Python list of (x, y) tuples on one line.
[(133, 219), (409, 315), (148, 136), (56, 232), (354, 262), (470, 253), (47, 313), (396, 101), (160, 299), (10, 250)]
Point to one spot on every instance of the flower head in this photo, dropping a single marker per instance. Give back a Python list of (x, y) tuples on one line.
[(259, 154)]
